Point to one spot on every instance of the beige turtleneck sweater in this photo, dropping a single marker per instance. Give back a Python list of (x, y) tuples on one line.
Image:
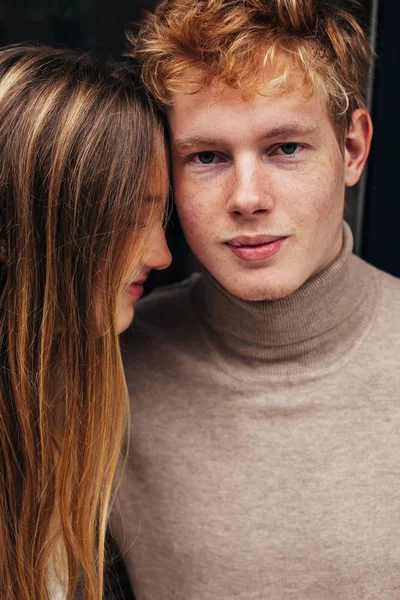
[(264, 457)]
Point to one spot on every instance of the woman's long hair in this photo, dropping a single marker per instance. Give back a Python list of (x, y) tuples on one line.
[(82, 163)]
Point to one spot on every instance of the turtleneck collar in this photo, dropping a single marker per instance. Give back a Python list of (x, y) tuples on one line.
[(307, 330)]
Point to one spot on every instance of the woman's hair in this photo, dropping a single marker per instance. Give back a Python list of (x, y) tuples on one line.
[(256, 45), (81, 156)]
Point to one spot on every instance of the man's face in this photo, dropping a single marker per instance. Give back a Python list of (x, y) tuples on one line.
[(259, 187)]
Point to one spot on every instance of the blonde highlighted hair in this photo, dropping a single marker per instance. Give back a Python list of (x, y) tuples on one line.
[(81, 152), (256, 45)]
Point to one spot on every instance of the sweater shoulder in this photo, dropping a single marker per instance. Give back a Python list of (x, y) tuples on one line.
[(389, 282), (387, 315), (390, 290)]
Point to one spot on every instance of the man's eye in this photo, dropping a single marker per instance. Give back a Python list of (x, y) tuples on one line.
[(206, 158), (289, 148)]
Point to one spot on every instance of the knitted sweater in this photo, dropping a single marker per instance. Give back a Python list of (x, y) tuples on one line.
[(264, 453)]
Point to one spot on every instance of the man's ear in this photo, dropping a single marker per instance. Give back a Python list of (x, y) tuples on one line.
[(356, 145)]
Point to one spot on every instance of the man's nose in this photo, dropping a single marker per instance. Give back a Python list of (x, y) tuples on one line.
[(250, 193), (158, 257)]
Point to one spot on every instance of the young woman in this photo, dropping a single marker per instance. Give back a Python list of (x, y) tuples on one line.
[(83, 183)]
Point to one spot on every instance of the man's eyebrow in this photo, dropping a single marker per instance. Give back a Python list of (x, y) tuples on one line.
[(290, 129), (187, 142)]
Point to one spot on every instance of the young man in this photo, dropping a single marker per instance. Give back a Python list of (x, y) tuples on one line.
[(264, 452)]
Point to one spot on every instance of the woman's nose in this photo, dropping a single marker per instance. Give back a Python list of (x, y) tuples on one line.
[(158, 257)]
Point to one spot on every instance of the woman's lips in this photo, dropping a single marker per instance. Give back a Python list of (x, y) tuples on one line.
[(255, 249), (135, 289)]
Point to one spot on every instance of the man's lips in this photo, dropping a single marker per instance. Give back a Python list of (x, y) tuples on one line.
[(257, 240), (255, 248)]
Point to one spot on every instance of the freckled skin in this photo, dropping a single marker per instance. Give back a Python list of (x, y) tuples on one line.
[(253, 188)]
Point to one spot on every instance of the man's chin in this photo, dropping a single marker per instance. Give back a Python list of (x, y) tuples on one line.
[(257, 294)]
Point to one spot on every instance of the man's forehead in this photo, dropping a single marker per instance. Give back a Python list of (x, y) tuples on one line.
[(192, 96), (203, 115)]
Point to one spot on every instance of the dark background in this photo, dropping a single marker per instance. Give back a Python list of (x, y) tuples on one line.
[(373, 207)]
